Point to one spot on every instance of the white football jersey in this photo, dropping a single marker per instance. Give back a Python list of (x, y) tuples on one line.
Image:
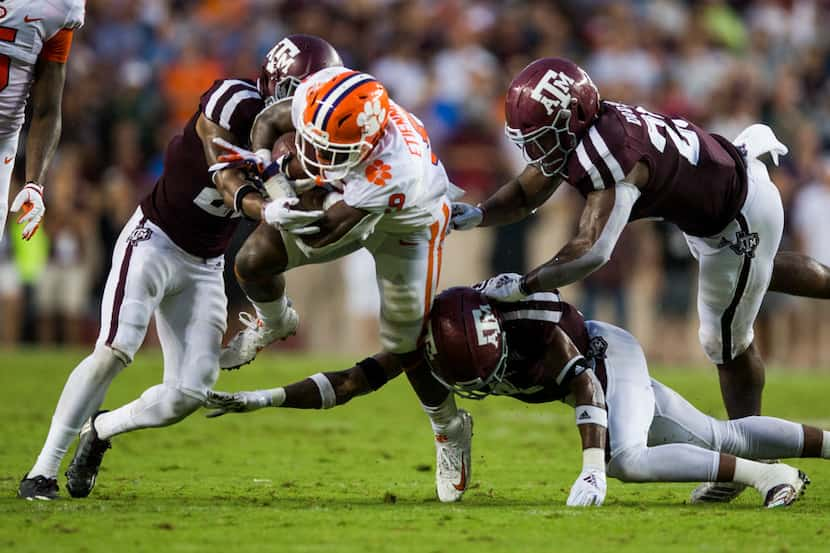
[(401, 178), (25, 26)]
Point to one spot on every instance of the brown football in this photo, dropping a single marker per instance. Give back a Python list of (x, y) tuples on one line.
[(286, 144)]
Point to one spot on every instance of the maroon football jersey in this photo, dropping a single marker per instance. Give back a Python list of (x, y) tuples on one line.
[(184, 202), (530, 325), (697, 180)]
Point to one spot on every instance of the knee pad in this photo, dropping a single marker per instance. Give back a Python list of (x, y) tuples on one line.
[(627, 465), (711, 340), (105, 364)]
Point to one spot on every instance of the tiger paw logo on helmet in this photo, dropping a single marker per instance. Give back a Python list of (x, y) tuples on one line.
[(378, 172), (372, 117)]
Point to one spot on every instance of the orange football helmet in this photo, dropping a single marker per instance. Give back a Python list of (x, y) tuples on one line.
[(342, 120)]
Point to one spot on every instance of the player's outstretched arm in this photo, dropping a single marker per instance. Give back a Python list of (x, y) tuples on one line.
[(512, 202), (319, 391)]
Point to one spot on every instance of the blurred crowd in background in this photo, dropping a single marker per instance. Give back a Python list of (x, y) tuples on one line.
[(138, 67)]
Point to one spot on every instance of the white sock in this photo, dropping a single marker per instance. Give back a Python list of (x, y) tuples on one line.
[(271, 311), (440, 416), (82, 395), (161, 405), (275, 397), (751, 473), (825, 444)]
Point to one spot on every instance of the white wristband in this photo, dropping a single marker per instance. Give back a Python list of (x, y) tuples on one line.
[(591, 414), (328, 398), (265, 154), (276, 397), (593, 458)]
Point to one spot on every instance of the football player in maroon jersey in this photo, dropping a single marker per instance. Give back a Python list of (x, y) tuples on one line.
[(539, 349), (168, 262), (630, 163)]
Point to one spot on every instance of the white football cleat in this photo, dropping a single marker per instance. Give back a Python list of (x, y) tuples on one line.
[(716, 492), (452, 464), (243, 348), (782, 485)]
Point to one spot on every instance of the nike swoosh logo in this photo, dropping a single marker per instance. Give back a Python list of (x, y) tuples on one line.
[(462, 484), (8, 160), (28, 19)]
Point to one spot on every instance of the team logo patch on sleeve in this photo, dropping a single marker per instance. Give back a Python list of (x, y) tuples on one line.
[(139, 234), (597, 347), (745, 243)]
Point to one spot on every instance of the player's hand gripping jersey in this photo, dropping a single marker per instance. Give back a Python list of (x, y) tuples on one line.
[(697, 180), (30, 30)]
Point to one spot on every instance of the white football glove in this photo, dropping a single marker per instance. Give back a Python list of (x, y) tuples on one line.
[(465, 216), (279, 214), (30, 200), (503, 287), (237, 156), (237, 402), (589, 489)]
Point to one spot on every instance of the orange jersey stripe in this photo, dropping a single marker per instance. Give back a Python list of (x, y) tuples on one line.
[(434, 229), (445, 209), (57, 48)]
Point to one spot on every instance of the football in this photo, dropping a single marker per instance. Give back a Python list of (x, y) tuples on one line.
[(284, 145), (310, 199)]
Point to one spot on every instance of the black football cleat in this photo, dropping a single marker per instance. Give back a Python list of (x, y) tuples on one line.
[(39, 487), (83, 470)]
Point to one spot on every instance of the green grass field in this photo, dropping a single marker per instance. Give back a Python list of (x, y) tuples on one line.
[(360, 477)]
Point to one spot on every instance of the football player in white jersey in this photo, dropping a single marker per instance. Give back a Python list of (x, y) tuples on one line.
[(391, 198), (35, 39)]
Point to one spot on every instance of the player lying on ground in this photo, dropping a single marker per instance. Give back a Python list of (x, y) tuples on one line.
[(392, 199), (168, 262), (36, 38), (540, 349), (630, 163)]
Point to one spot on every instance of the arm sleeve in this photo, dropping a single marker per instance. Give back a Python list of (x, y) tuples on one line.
[(57, 48), (599, 254)]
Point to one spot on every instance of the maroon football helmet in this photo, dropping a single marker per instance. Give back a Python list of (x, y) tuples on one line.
[(465, 346), (290, 61), (549, 107)]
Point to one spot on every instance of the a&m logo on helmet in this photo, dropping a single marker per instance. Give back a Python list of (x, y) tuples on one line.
[(487, 326), (553, 90), (281, 56)]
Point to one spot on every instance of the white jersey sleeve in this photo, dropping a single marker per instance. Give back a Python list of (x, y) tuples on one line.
[(75, 14)]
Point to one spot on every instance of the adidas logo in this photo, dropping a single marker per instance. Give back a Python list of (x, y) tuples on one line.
[(584, 416)]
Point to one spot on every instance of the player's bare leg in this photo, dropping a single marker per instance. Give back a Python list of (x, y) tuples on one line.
[(259, 269), (742, 383), (742, 386), (800, 275)]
